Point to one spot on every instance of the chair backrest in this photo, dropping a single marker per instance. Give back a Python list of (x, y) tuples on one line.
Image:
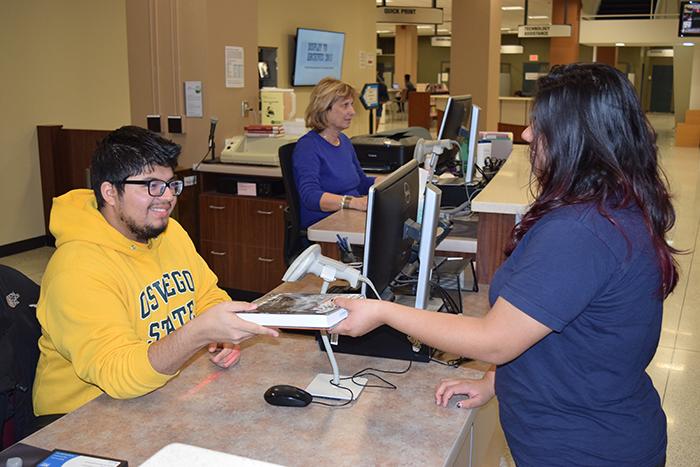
[(19, 352), (294, 234)]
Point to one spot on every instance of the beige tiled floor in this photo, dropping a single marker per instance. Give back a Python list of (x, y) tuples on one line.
[(675, 369)]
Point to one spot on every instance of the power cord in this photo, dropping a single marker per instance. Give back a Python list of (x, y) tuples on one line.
[(361, 374)]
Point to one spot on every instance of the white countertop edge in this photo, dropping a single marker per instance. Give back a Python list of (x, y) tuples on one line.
[(327, 236), (239, 169), (460, 245), (499, 208)]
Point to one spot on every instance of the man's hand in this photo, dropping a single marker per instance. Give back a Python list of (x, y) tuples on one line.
[(220, 323), (217, 324), (227, 355)]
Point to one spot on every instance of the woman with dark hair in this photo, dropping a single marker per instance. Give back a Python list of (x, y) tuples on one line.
[(576, 308)]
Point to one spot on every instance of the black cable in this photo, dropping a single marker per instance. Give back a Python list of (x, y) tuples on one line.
[(454, 363), (365, 373), (368, 372)]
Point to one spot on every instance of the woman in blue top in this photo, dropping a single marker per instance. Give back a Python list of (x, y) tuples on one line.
[(326, 170), (576, 308)]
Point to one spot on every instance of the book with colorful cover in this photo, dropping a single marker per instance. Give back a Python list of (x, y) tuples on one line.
[(298, 310)]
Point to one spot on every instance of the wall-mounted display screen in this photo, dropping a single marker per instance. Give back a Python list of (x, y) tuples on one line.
[(689, 19), (318, 54)]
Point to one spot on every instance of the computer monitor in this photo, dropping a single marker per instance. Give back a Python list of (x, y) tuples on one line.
[(459, 123), (390, 203), (426, 248)]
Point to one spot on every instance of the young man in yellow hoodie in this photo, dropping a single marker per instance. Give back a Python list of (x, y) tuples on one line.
[(120, 295)]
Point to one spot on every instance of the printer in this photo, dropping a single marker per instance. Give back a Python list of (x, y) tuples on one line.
[(388, 150)]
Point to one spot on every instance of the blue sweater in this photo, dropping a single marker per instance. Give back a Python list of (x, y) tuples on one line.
[(320, 167)]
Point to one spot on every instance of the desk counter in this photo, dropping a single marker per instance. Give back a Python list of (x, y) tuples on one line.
[(224, 410), (272, 171), (351, 224), (500, 206), (509, 191)]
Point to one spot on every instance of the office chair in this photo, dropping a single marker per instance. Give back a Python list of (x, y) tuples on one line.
[(295, 240), (19, 353)]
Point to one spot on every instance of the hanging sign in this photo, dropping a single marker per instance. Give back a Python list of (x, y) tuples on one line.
[(441, 41), (544, 30), (409, 15)]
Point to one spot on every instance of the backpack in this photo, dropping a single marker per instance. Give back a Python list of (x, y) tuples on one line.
[(19, 351)]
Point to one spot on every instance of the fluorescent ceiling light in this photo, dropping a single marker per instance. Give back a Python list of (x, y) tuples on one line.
[(619, 44), (383, 31), (424, 26), (505, 29), (511, 8), (688, 44), (538, 17), (511, 49)]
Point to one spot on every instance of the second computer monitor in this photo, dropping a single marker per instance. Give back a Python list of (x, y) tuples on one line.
[(459, 123), (390, 203)]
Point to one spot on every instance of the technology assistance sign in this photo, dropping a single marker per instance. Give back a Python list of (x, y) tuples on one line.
[(544, 30), (409, 15)]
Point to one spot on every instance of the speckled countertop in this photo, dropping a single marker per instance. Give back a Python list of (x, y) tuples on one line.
[(224, 410)]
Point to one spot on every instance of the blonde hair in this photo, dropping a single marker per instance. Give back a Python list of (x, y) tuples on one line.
[(327, 92)]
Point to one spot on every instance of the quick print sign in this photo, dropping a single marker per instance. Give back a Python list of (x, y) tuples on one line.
[(409, 15)]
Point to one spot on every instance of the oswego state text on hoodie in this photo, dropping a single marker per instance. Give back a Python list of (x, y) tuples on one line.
[(126, 299)]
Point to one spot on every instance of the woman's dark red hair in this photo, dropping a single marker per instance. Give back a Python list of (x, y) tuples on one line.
[(593, 143)]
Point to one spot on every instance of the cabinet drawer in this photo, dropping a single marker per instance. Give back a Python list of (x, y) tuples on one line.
[(247, 221), (260, 222), (257, 269), (245, 268), (216, 214), (220, 258)]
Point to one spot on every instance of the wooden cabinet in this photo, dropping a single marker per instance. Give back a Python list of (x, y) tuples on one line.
[(242, 240)]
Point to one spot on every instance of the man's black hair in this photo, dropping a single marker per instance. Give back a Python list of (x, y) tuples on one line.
[(129, 151)]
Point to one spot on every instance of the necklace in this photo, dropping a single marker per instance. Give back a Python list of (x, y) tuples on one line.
[(334, 142)]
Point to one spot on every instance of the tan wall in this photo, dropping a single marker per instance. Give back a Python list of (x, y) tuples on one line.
[(171, 42), (475, 70), (682, 80), (430, 59), (539, 47), (277, 24), (63, 62), (695, 80)]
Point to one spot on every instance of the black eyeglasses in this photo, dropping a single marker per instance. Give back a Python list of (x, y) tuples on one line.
[(156, 188)]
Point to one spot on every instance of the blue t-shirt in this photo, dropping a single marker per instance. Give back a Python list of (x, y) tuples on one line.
[(320, 167), (581, 395)]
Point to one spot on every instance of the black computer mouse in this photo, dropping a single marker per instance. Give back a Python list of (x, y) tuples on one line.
[(289, 396)]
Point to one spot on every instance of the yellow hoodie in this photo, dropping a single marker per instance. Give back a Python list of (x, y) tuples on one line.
[(104, 299)]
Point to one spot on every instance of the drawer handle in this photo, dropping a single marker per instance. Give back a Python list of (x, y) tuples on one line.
[(265, 260), (218, 253), (267, 213), (218, 208)]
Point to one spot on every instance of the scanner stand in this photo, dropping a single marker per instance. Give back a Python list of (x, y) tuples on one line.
[(329, 386)]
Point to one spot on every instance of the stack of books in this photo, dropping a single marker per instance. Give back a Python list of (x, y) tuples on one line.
[(264, 131)]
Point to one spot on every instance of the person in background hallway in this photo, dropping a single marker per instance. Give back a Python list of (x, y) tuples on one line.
[(126, 299), (408, 87), (576, 308), (383, 96), (326, 170)]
